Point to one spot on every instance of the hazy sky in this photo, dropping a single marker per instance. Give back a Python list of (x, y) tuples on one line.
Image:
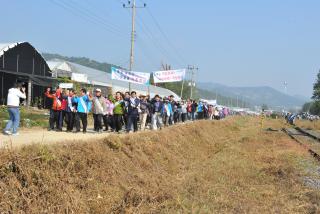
[(238, 43)]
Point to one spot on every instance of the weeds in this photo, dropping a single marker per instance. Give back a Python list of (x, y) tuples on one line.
[(229, 166)]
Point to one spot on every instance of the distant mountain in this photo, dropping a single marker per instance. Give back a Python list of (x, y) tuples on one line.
[(301, 97), (102, 66), (256, 95)]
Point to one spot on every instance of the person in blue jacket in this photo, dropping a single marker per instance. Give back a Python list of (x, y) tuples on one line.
[(166, 112), (83, 108), (200, 110)]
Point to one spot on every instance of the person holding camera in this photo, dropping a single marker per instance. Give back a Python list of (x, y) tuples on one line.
[(13, 103)]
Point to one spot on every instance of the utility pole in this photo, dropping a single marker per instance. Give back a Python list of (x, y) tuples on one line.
[(192, 68), (132, 5)]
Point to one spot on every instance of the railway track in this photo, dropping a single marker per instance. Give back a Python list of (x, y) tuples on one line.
[(309, 139)]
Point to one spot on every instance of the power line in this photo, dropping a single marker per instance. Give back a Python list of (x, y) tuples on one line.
[(147, 57), (148, 34), (165, 35), (155, 41), (90, 13), (87, 18)]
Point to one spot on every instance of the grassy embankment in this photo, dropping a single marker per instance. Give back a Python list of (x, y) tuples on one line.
[(29, 117), (204, 167)]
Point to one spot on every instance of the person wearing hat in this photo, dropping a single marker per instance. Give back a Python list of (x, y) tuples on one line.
[(99, 108)]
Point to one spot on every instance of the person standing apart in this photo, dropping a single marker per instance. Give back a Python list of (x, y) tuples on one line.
[(13, 103)]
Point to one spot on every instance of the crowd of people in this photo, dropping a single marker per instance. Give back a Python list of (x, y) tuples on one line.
[(119, 112), (123, 111)]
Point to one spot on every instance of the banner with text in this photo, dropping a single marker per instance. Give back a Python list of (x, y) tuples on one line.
[(169, 76), (130, 76)]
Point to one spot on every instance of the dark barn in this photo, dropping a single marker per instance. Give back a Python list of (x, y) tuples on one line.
[(21, 62)]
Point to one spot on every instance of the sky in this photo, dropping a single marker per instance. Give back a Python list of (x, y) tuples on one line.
[(232, 42)]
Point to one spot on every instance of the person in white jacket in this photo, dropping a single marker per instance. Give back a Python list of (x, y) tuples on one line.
[(13, 102)]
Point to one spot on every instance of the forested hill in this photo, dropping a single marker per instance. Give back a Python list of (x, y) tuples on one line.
[(102, 66)]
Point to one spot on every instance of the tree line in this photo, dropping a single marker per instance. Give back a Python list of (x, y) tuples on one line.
[(313, 107)]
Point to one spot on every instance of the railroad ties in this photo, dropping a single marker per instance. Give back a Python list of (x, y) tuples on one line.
[(309, 139)]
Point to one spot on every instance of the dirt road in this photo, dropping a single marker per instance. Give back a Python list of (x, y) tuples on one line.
[(31, 136)]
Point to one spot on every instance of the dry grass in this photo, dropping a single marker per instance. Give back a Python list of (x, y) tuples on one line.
[(308, 124), (227, 166)]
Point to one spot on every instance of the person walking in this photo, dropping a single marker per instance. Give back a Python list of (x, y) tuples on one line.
[(194, 106), (156, 110), (200, 110), (118, 111), (144, 107), (64, 107), (98, 110), (133, 112), (15, 93), (173, 108), (166, 112), (71, 110), (184, 111), (126, 100), (83, 108), (210, 112), (189, 109), (108, 115), (56, 113)]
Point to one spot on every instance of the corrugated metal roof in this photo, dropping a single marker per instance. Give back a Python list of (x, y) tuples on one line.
[(96, 77), (6, 46)]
